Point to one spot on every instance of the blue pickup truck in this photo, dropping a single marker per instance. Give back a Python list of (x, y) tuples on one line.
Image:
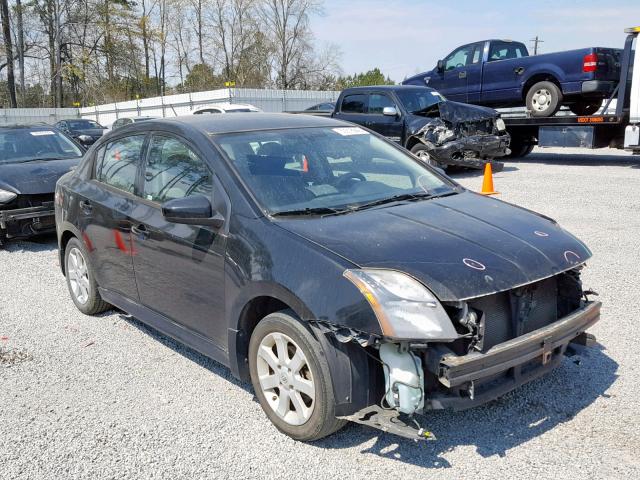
[(500, 73)]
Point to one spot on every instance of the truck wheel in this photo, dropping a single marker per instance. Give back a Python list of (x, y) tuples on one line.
[(291, 378), (421, 151), (585, 108), (543, 99), (519, 150)]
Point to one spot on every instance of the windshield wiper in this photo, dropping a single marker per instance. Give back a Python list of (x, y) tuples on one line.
[(42, 159), (396, 198), (309, 211)]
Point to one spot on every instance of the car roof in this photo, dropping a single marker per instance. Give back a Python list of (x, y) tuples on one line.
[(392, 88), (243, 122)]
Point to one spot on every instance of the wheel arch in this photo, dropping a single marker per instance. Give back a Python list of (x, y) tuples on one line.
[(539, 77), (66, 235)]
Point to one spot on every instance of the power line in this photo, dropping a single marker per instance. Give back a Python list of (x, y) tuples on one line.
[(536, 41)]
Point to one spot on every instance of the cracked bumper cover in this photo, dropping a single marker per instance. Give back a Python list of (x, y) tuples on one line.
[(501, 367), (26, 221), (471, 151)]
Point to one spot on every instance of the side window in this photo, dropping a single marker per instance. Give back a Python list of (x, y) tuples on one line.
[(354, 104), (477, 53), (505, 51), (120, 162), (458, 58), (378, 101), (173, 170)]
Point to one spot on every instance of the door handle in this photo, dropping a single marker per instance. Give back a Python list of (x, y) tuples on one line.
[(85, 206), (140, 231), (518, 70), (462, 75)]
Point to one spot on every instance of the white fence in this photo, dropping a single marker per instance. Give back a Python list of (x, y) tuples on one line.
[(11, 116), (184, 104)]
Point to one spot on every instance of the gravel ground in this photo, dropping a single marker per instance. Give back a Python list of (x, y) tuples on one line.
[(106, 397)]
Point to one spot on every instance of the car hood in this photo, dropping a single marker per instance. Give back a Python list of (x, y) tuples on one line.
[(460, 246), (34, 177), (454, 113)]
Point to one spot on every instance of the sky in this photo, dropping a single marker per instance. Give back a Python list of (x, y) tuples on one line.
[(405, 37)]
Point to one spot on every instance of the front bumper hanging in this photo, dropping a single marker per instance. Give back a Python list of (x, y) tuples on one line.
[(27, 221)]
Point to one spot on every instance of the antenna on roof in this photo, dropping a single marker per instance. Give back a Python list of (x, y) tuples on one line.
[(536, 41)]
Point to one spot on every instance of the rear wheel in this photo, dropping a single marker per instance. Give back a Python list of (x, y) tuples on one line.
[(291, 378), (585, 108), (543, 99), (81, 280)]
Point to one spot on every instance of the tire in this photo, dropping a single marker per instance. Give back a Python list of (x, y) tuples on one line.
[(543, 99), (283, 387), (421, 151), (81, 280), (585, 108), (519, 150)]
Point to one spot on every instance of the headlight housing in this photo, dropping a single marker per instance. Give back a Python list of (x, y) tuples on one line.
[(6, 197), (405, 308), (500, 125)]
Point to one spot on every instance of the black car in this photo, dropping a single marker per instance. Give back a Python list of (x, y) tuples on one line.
[(438, 131), (32, 159), (82, 130), (341, 275)]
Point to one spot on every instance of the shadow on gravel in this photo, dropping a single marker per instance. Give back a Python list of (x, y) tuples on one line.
[(40, 243), (499, 426)]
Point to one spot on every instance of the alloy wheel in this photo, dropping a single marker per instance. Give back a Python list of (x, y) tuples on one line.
[(285, 378), (78, 275)]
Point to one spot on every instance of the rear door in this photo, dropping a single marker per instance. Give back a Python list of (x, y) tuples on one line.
[(387, 125), (105, 205), (502, 72), (179, 268), (353, 108)]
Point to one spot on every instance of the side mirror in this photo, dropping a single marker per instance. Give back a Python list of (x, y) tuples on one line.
[(440, 65), (390, 111), (194, 210)]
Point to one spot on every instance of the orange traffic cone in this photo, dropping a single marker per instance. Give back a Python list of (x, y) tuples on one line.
[(487, 181)]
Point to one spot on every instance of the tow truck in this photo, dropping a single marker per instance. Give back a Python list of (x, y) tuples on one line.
[(615, 126)]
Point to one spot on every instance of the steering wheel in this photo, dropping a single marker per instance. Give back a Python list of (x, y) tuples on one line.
[(459, 65), (349, 176)]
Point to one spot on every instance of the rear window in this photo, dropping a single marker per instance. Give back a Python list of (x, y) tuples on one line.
[(118, 167)]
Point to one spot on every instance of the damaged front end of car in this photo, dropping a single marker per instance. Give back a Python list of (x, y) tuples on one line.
[(25, 215), (460, 354), (461, 135)]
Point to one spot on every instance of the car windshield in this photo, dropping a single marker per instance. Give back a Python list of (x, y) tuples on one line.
[(327, 170), (421, 100), (23, 145), (82, 124)]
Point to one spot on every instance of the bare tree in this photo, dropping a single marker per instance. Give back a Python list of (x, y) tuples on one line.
[(8, 48)]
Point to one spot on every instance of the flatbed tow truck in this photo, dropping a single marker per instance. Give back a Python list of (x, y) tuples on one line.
[(614, 126)]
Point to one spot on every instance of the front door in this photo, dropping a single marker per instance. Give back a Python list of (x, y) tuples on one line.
[(453, 81), (179, 268), (388, 125), (105, 207)]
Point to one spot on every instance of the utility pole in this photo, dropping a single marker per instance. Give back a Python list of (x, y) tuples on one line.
[(536, 41)]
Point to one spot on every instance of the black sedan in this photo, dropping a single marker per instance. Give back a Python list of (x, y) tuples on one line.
[(82, 130), (338, 273), (32, 159)]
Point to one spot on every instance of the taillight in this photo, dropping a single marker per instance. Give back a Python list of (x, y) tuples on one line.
[(590, 62)]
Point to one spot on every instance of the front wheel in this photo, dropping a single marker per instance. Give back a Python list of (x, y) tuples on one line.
[(544, 99), (422, 152), (291, 378)]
